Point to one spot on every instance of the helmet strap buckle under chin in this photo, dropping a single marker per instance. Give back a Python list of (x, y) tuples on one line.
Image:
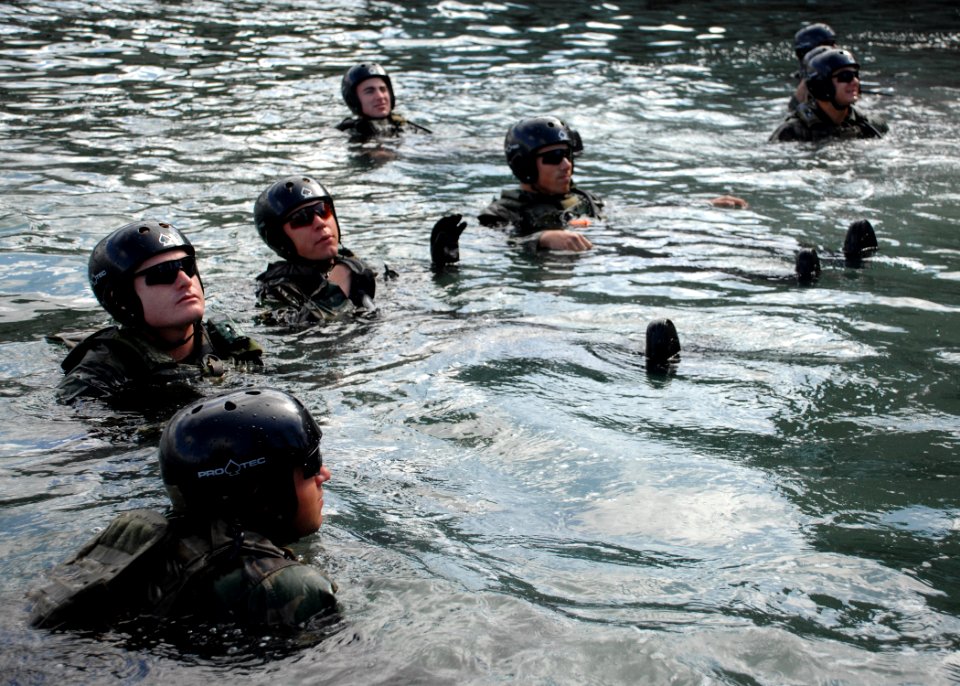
[(236, 534)]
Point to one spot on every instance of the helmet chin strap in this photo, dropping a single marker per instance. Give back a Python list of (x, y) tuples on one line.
[(173, 345)]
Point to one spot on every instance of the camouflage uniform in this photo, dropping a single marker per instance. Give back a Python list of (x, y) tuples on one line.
[(530, 214), (144, 564), (363, 128), (809, 123), (117, 361), (300, 292)]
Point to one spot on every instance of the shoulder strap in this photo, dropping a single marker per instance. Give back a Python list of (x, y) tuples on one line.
[(229, 341), (808, 115), (126, 344), (102, 573), (592, 201), (79, 349), (194, 559)]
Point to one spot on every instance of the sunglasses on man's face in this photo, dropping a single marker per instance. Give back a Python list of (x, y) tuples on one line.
[(312, 463), (303, 217), (555, 157), (165, 273), (846, 76)]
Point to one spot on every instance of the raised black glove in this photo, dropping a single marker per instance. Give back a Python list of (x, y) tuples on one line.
[(363, 286), (861, 240), (445, 240)]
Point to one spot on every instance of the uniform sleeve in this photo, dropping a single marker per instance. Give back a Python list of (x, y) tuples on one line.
[(291, 596)]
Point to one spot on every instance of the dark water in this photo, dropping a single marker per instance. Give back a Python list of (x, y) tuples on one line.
[(515, 498)]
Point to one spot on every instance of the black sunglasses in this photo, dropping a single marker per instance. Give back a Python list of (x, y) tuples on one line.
[(304, 216), (165, 273), (555, 157), (312, 463), (847, 76)]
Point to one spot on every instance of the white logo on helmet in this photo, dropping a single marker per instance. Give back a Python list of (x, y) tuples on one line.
[(232, 468), (306, 192), (166, 239)]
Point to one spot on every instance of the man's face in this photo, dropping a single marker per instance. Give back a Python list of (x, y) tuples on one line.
[(374, 96), (846, 83), (309, 515), (313, 230), (169, 306), (554, 169)]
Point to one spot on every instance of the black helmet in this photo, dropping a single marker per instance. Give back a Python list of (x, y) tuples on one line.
[(115, 258), (356, 75), (279, 200), (809, 37), (805, 62), (232, 457), (529, 135), (820, 71)]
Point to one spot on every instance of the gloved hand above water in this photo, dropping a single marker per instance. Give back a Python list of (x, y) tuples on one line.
[(363, 288), (445, 240)]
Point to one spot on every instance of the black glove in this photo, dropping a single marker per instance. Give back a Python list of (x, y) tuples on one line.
[(445, 240), (861, 240), (363, 284)]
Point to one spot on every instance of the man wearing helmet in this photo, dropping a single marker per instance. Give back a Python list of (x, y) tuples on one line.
[(540, 152), (833, 81), (244, 475), (807, 39), (317, 277), (368, 92), (145, 275)]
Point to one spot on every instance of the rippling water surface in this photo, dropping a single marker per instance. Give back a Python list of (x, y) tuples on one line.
[(515, 497)]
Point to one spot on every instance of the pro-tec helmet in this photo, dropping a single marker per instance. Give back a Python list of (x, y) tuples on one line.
[(277, 202), (809, 37), (115, 259), (233, 456), (820, 72), (356, 75), (527, 136)]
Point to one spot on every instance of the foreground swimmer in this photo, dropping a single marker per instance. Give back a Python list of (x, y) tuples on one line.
[(244, 475), (544, 211), (833, 81), (145, 275), (368, 92)]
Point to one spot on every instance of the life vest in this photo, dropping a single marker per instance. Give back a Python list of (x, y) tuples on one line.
[(365, 127), (218, 341), (531, 212), (307, 292), (141, 564), (817, 126)]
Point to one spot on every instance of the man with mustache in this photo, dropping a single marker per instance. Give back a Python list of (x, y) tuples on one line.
[(833, 82), (548, 207)]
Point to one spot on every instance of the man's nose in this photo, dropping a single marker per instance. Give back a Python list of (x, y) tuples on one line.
[(183, 278)]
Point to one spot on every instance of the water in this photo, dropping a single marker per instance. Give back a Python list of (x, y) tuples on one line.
[(515, 498)]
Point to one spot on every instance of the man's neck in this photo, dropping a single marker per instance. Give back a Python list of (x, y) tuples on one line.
[(835, 115), (534, 188), (177, 342)]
